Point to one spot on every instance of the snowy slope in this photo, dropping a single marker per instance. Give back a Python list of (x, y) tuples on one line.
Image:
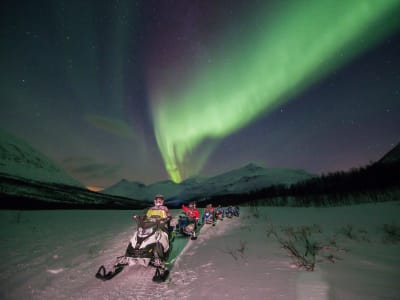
[(248, 178), (140, 191), (236, 259), (17, 158), (127, 188)]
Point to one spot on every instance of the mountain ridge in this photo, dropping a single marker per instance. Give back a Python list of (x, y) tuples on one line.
[(250, 177), (18, 158), (28, 174)]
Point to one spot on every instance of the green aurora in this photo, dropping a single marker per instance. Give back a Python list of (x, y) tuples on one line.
[(293, 47)]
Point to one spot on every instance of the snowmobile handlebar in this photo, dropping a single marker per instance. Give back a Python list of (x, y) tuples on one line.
[(145, 222)]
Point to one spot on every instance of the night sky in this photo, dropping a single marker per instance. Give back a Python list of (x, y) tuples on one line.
[(151, 90)]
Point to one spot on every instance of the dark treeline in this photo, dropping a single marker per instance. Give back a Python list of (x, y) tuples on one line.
[(375, 177), (373, 183)]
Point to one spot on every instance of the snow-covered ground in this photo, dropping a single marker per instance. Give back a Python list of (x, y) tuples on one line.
[(55, 254)]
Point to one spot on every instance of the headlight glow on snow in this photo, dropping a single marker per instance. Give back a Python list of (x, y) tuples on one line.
[(291, 48)]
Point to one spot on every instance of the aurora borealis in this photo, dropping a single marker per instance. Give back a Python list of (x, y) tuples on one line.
[(150, 90), (281, 59)]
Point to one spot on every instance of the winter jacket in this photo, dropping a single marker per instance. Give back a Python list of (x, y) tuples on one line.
[(191, 212), (210, 210), (161, 207)]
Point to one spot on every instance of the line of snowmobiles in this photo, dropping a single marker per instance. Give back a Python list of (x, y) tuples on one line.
[(153, 239), (212, 215)]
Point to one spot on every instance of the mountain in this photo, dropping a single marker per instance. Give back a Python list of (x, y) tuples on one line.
[(30, 180), (393, 156), (18, 158), (140, 191), (127, 188), (252, 177), (243, 180)]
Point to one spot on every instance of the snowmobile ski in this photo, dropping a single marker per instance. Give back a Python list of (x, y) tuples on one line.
[(160, 275), (194, 236), (104, 275)]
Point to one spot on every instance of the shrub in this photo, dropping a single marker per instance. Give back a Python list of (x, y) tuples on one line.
[(301, 243), (392, 233)]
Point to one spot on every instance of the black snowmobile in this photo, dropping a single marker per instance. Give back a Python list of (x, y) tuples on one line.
[(150, 245), (187, 226), (232, 211)]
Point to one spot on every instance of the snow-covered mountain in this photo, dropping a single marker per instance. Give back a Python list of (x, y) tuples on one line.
[(18, 158), (30, 180), (253, 177), (140, 191), (246, 179)]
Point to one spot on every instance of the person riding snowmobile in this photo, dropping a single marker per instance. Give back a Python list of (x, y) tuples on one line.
[(229, 211), (150, 244), (191, 211), (219, 213), (158, 208), (188, 224), (232, 211), (158, 211), (209, 215)]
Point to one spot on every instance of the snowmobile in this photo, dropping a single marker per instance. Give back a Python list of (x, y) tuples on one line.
[(229, 213), (236, 211), (208, 218), (150, 245), (219, 213), (232, 211), (187, 226)]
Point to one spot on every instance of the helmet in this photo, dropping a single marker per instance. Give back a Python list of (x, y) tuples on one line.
[(158, 200)]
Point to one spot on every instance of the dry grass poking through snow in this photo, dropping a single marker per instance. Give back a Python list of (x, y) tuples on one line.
[(306, 245)]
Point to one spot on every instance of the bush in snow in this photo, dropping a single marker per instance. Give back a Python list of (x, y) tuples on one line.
[(302, 244), (351, 233), (348, 231), (392, 233), (238, 252)]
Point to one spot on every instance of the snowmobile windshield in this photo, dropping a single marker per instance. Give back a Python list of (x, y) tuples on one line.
[(143, 232)]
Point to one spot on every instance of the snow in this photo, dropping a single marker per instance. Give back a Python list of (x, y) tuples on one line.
[(18, 158), (55, 254)]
